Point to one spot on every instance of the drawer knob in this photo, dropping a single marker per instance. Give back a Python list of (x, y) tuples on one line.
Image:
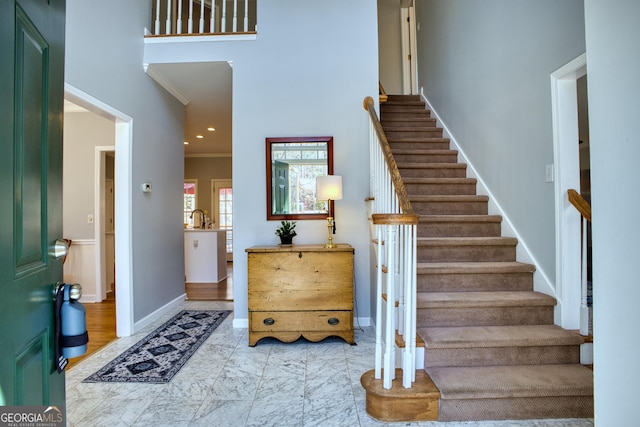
[(333, 321), (268, 321)]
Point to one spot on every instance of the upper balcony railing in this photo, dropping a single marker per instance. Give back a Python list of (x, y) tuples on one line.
[(203, 17)]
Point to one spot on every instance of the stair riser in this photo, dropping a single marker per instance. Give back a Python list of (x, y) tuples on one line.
[(441, 189), (535, 355), (443, 172), (516, 408), (419, 115), (413, 133), (424, 144), (426, 158), (475, 282), (417, 123), (456, 229), (485, 316), (411, 108), (450, 208), (434, 253)]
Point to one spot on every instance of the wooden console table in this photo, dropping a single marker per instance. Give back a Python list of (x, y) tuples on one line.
[(300, 291)]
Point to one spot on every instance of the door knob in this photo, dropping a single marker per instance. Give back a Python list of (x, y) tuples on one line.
[(60, 249)]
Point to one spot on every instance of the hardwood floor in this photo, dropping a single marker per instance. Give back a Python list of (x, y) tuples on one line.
[(101, 317), (101, 325), (222, 291)]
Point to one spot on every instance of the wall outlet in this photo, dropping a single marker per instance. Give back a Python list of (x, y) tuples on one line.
[(548, 173), (90, 219)]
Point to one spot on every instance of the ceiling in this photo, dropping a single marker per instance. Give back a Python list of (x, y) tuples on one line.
[(205, 89)]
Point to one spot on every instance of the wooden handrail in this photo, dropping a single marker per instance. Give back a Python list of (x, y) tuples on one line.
[(395, 219), (580, 204), (382, 93), (401, 193)]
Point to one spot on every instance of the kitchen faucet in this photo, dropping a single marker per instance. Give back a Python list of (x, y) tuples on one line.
[(202, 220)]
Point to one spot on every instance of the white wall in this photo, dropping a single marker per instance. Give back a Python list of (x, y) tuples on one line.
[(612, 36), (104, 53), (307, 74), (82, 133), (485, 67)]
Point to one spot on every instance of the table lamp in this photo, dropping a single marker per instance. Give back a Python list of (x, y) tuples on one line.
[(329, 187)]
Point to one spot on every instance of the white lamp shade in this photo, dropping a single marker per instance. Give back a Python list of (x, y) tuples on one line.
[(329, 187)]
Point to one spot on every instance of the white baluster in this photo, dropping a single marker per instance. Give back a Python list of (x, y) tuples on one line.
[(157, 23), (201, 16), (167, 25), (235, 16), (246, 15), (584, 308), (224, 16), (190, 22), (179, 18), (379, 305), (389, 353)]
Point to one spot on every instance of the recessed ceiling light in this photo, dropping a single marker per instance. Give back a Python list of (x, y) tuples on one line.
[(211, 129), (186, 143), (199, 136)]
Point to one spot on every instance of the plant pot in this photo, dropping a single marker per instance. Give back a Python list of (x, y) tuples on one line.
[(286, 240)]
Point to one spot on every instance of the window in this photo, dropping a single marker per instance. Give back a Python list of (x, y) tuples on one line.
[(190, 192), (223, 208)]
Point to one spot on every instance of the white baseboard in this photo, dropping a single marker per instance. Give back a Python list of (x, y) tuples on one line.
[(241, 323), (147, 320)]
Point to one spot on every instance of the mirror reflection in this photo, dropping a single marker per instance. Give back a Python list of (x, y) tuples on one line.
[(292, 167)]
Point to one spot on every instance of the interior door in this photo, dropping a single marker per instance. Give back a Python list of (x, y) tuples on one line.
[(31, 111)]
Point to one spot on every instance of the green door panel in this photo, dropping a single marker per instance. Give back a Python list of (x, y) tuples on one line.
[(31, 112)]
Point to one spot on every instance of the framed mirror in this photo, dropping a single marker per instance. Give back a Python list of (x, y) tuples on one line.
[(292, 167)]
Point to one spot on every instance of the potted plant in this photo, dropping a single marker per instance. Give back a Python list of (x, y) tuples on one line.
[(286, 232)]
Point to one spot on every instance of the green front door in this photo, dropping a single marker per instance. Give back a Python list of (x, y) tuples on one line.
[(31, 111)]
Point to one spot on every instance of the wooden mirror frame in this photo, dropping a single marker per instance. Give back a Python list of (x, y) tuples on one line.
[(269, 143)]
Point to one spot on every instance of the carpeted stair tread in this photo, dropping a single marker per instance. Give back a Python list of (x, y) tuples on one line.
[(495, 382), (460, 218), (424, 139), (474, 267), (497, 336), (467, 241), (492, 299), (418, 151)]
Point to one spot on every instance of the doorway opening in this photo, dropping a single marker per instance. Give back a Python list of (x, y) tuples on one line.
[(121, 149), (567, 160)]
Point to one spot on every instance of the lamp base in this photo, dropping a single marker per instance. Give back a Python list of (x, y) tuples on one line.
[(330, 244)]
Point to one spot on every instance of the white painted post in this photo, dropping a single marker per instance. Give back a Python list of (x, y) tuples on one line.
[(190, 22), (157, 23), (584, 308), (167, 25), (246, 15), (390, 329), (179, 18), (224, 16), (235, 16), (379, 305)]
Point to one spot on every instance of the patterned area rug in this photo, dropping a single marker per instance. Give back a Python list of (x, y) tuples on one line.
[(160, 355)]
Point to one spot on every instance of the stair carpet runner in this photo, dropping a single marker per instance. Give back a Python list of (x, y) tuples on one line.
[(491, 345)]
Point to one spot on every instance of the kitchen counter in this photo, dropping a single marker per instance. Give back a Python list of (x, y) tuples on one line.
[(205, 255)]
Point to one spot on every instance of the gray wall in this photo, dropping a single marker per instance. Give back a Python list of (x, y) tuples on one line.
[(306, 74), (390, 46), (613, 61), (204, 169), (104, 57), (82, 133), (485, 67)]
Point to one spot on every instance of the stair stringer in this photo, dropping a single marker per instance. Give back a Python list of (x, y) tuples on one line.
[(541, 281)]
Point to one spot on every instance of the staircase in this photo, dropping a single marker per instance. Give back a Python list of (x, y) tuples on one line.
[(491, 346)]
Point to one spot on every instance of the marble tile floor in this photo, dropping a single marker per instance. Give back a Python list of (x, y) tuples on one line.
[(227, 383)]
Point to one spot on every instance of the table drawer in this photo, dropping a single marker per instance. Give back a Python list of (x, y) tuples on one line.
[(275, 321)]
